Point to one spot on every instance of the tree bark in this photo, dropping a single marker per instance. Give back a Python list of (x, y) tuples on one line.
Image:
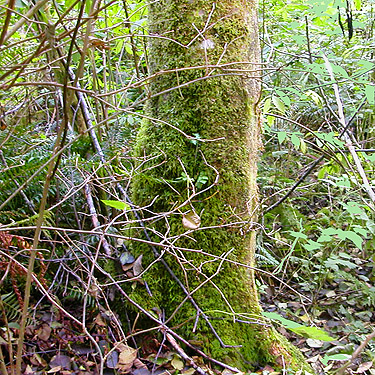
[(212, 180)]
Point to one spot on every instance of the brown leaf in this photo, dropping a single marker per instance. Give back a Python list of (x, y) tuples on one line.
[(139, 364), (29, 370), (363, 367), (99, 321), (54, 370), (126, 358), (177, 363), (60, 360), (44, 332), (137, 266), (191, 220), (37, 360)]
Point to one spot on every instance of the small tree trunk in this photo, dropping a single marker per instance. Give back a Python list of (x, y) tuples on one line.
[(213, 181)]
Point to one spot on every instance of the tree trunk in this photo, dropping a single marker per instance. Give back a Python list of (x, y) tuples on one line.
[(198, 150)]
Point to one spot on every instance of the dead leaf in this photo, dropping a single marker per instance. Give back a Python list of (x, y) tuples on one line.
[(60, 360), (29, 370), (139, 364), (112, 359), (143, 371), (268, 368), (54, 370), (331, 294), (137, 266), (177, 363), (126, 358), (312, 343), (37, 360), (44, 332), (363, 367), (191, 220), (99, 321), (191, 371), (98, 43)]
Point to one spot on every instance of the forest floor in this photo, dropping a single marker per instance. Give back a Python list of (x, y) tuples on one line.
[(54, 344)]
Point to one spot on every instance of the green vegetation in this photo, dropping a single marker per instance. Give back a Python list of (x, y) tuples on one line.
[(131, 138)]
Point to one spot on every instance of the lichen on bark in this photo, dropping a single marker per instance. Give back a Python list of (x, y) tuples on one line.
[(216, 102)]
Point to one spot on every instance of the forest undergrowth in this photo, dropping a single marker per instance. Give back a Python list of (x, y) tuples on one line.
[(74, 85)]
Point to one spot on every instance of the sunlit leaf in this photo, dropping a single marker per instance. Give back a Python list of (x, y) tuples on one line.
[(295, 140), (267, 105), (116, 204), (311, 332), (370, 93), (279, 104), (281, 135), (358, 4)]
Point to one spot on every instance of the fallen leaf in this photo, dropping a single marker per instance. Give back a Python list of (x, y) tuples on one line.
[(191, 371), (363, 367), (137, 266), (141, 371), (331, 294), (37, 360), (112, 359), (126, 358), (191, 220), (54, 370), (44, 332), (126, 258), (60, 360), (177, 363), (29, 370), (139, 364), (312, 343), (99, 321)]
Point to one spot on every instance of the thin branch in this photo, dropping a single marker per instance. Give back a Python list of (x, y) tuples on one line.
[(346, 136)]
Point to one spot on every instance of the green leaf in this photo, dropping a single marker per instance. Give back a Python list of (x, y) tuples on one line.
[(335, 357), (358, 4), (285, 322), (298, 234), (267, 105), (303, 146), (312, 333), (312, 245), (88, 6), (339, 70), (270, 120), (281, 135), (315, 97), (354, 237), (295, 140), (278, 104), (116, 204), (334, 262), (370, 94)]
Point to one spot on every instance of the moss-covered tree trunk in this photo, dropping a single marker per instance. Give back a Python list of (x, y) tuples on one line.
[(198, 150)]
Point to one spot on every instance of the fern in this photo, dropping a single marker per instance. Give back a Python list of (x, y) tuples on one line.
[(11, 306), (368, 293), (264, 257)]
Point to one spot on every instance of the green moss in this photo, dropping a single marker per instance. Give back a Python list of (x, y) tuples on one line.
[(219, 108)]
